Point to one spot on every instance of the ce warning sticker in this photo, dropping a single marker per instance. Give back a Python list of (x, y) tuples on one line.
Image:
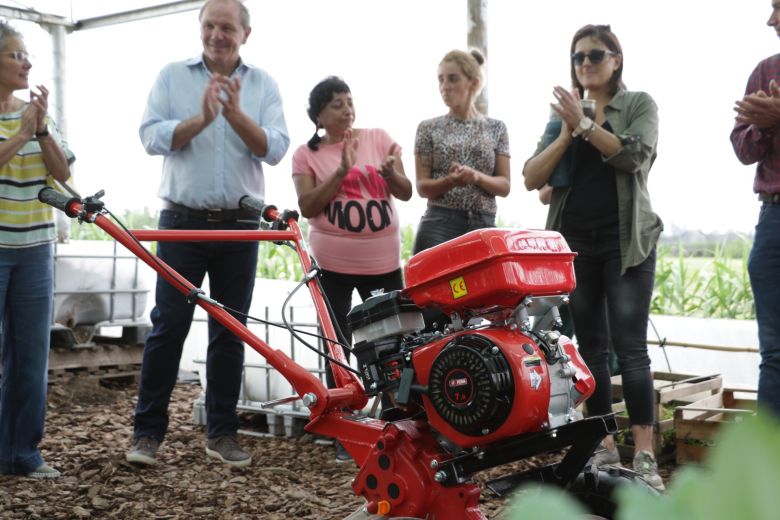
[(536, 379), (458, 287)]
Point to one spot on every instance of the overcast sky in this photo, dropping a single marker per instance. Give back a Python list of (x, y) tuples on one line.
[(692, 56)]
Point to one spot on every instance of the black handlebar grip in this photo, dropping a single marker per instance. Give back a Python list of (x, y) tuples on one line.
[(252, 204), (58, 200), (258, 207)]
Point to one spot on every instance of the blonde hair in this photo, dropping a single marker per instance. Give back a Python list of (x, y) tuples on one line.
[(470, 64)]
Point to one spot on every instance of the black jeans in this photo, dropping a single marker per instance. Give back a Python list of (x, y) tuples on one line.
[(439, 224), (607, 305), (338, 289), (231, 267)]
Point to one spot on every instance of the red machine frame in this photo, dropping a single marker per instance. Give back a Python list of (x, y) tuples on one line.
[(403, 471), (413, 491)]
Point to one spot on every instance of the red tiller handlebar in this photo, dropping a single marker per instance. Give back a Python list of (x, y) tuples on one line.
[(349, 394)]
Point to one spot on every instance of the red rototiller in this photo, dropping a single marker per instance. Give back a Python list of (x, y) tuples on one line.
[(492, 383)]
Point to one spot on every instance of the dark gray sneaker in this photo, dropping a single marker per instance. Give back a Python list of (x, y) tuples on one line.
[(143, 451), (342, 455), (227, 449)]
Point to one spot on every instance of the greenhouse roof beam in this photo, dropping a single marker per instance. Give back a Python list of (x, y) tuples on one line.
[(137, 14), (31, 15)]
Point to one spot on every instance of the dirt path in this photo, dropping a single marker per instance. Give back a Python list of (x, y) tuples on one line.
[(88, 430)]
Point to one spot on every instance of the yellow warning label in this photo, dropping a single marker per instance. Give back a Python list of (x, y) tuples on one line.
[(458, 287)]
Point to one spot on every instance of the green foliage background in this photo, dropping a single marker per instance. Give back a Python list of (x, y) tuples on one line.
[(696, 279), (708, 283), (740, 481)]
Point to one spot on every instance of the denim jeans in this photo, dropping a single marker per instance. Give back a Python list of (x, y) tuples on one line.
[(26, 308), (764, 270), (607, 305), (440, 224), (231, 267)]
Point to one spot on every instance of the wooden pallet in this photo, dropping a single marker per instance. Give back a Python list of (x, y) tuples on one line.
[(98, 361), (669, 389), (698, 424)]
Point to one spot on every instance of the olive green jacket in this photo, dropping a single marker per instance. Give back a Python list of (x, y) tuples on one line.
[(633, 117)]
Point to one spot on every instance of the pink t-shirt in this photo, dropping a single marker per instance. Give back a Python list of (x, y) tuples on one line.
[(358, 232)]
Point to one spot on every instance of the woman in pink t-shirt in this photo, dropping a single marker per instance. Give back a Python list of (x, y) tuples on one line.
[(346, 181)]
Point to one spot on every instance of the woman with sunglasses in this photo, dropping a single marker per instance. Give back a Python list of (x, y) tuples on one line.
[(604, 212), (461, 158), (32, 155)]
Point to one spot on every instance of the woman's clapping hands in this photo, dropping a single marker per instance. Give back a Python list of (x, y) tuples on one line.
[(462, 175), (568, 107)]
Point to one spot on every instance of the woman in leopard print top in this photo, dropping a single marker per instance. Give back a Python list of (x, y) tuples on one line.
[(461, 158)]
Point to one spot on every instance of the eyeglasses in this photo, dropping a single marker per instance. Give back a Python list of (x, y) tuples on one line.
[(19, 56), (595, 56)]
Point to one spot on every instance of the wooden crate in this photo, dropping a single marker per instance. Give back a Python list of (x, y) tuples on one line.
[(697, 424), (670, 389)]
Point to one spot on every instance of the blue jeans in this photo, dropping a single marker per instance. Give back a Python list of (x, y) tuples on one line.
[(764, 270), (440, 224), (26, 309), (231, 267), (607, 305)]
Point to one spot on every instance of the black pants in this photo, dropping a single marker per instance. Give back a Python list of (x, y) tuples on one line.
[(441, 224), (338, 289), (609, 306)]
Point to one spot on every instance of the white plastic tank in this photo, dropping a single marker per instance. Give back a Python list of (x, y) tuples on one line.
[(99, 281), (261, 384)]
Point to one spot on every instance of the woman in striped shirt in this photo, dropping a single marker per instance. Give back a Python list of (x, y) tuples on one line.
[(32, 155)]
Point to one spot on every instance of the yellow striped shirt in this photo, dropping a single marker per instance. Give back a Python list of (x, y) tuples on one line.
[(24, 221)]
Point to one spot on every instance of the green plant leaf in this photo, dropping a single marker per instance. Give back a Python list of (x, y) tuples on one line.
[(544, 502), (744, 478), (636, 504), (741, 480)]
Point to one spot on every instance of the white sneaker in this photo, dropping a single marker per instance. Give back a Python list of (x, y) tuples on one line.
[(647, 468), (605, 457), (44, 471)]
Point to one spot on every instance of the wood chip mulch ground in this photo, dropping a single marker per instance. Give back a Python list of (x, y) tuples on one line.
[(88, 429)]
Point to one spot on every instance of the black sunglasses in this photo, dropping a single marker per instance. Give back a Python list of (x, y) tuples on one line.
[(595, 56)]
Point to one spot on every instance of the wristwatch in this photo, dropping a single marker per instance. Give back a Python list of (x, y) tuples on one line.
[(586, 125)]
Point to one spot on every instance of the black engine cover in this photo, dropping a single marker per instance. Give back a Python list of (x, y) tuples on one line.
[(471, 385)]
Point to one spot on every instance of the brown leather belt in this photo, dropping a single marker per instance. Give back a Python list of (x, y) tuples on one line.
[(212, 215), (769, 198)]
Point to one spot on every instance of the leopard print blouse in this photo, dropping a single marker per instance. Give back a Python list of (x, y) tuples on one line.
[(474, 142)]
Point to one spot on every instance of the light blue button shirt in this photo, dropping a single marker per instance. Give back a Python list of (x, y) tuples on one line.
[(216, 168)]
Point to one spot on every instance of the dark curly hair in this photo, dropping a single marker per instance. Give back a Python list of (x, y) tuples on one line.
[(320, 96)]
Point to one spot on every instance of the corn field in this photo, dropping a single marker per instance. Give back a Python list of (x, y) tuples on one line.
[(710, 286), (709, 281)]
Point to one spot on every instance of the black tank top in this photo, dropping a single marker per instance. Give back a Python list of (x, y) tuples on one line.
[(591, 207)]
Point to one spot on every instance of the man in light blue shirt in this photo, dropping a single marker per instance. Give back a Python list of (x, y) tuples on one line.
[(214, 119)]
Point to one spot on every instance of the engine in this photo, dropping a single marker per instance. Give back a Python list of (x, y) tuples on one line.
[(490, 374)]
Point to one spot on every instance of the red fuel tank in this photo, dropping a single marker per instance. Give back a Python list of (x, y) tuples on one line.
[(490, 268)]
